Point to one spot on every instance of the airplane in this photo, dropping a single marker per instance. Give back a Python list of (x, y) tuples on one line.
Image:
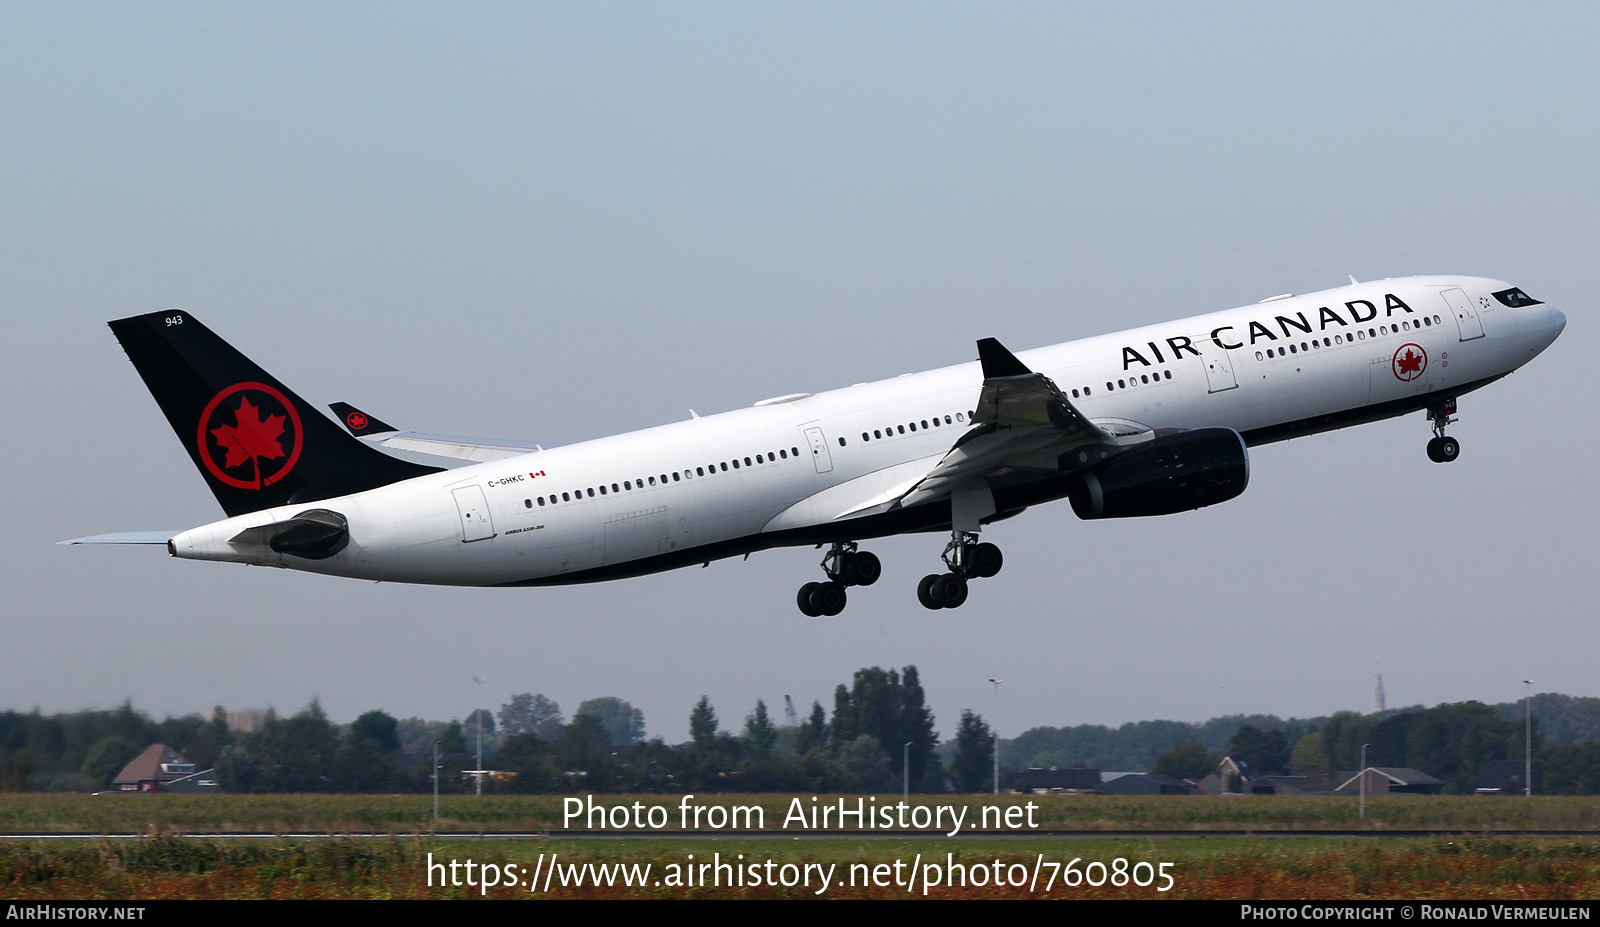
[(1147, 422)]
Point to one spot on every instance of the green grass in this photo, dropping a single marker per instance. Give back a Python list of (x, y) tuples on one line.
[(412, 814), (165, 866)]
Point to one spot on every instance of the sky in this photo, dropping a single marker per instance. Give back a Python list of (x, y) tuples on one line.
[(556, 222)]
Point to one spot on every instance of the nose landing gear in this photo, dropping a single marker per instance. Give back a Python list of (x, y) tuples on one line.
[(1443, 449), (967, 559), (845, 566)]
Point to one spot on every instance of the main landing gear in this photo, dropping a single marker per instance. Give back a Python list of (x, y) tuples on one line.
[(967, 559), (845, 566), (1443, 449)]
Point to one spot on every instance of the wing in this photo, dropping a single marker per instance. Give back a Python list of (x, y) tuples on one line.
[(376, 432), (1023, 422)]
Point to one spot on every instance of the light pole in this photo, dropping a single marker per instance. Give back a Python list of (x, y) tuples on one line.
[(1363, 782), (478, 775), (994, 729), (905, 775), (436, 785), (1527, 779)]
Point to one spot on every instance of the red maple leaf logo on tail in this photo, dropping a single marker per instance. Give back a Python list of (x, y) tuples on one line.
[(251, 437)]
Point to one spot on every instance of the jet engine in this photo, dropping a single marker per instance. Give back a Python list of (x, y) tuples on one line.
[(1175, 473)]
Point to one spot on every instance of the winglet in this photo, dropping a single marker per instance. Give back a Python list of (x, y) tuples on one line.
[(358, 422), (999, 362)]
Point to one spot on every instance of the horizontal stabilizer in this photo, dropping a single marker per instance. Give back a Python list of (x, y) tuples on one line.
[(378, 433), (127, 537)]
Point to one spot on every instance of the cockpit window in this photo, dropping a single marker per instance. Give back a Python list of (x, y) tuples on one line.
[(1516, 299)]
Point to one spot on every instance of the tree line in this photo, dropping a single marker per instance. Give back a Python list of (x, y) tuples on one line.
[(880, 731)]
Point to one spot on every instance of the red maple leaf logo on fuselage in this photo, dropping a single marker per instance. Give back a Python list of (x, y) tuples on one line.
[(1410, 360)]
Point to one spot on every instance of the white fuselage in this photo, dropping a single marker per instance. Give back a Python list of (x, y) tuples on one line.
[(798, 470)]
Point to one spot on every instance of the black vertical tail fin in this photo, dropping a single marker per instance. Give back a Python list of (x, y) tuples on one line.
[(254, 441)]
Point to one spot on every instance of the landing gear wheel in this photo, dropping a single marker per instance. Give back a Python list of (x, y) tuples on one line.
[(951, 591), (862, 569), (1444, 449), (985, 560), (926, 589), (804, 600), (828, 599)]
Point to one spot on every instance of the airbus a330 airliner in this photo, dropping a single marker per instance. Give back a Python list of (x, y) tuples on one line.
[(1152, 421)]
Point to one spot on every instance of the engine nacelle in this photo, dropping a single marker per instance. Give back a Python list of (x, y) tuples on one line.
[(1176, 473)]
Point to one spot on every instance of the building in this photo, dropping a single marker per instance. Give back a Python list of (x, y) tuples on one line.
[(1393, 780), (151, 770)]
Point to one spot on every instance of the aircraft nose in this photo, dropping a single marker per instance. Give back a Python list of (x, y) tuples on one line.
[(1549, 329)]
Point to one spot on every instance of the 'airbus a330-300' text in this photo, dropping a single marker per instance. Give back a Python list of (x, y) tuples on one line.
[(1153, 421)]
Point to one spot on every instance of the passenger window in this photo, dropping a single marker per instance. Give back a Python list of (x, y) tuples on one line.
[(1168, 374), (747, 461), (565, 497), (958, 416), (865, 437), (924, 424), (841, 443), (675, 475), (591, 491), (902, 429), (795, 451), (528, 503), (784, 454), (614, 487), (1143, 378)]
